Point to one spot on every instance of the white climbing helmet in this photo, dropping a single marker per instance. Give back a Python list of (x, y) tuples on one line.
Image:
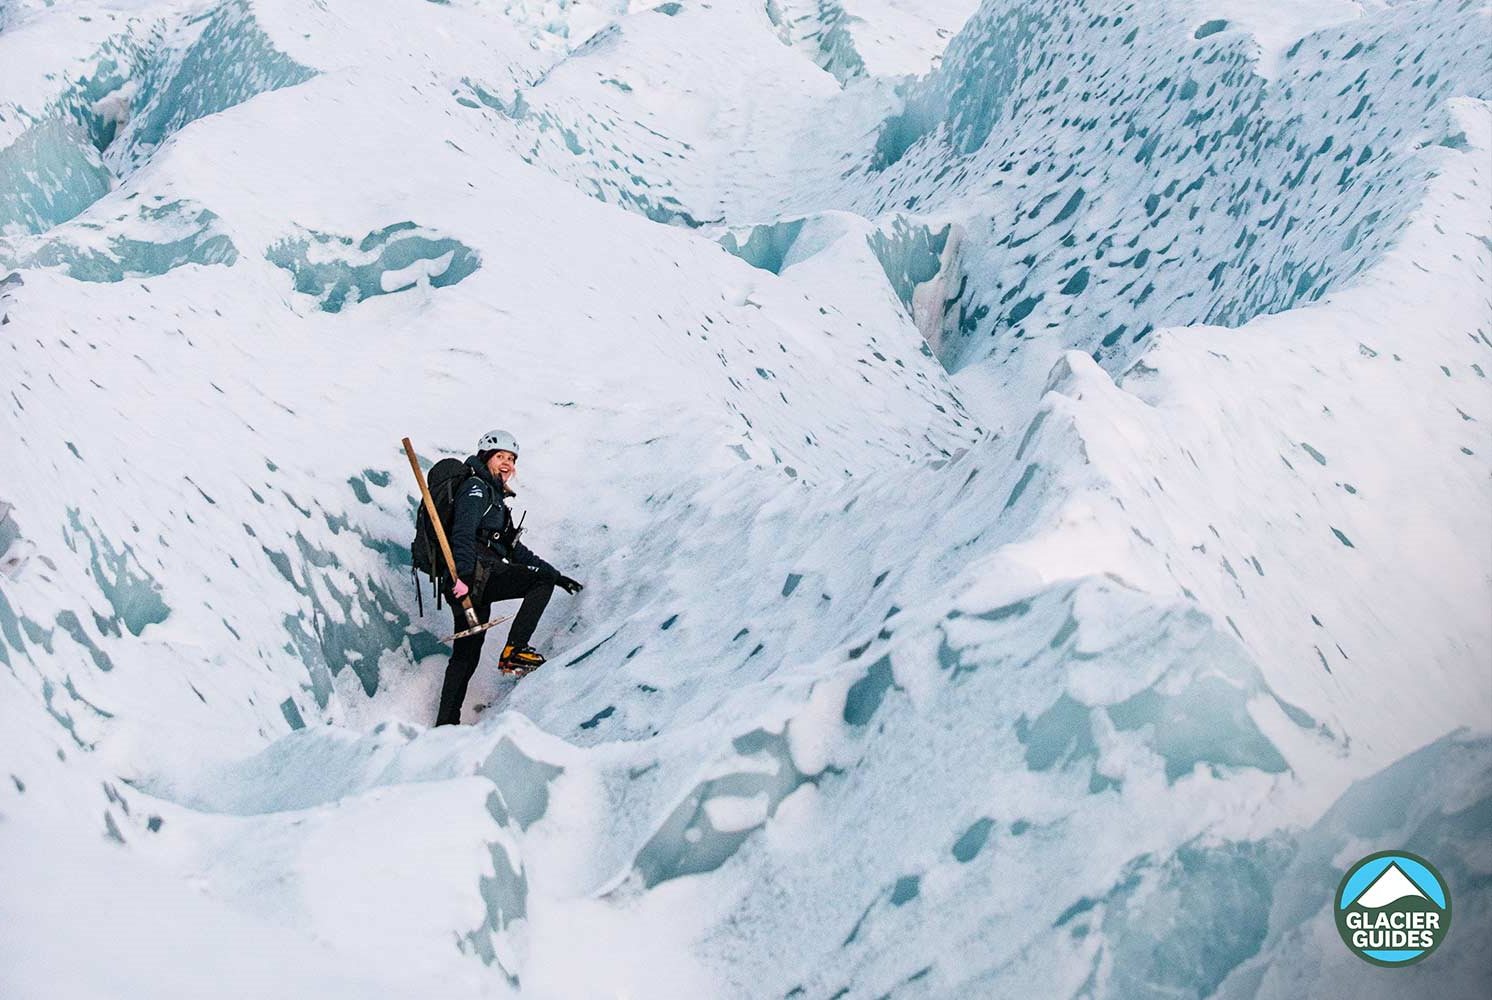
[(498, 441)]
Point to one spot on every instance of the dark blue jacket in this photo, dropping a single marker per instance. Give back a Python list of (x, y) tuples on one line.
[(480, 520)]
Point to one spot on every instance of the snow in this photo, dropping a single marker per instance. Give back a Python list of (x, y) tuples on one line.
[(1275, 25), (937, 640)]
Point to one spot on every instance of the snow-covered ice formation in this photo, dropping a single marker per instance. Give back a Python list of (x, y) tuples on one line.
[(1028, 462)]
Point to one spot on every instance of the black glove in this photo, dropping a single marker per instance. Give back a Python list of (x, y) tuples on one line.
[(569, 585)]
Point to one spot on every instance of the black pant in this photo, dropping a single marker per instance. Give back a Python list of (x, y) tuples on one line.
[(506, 582)]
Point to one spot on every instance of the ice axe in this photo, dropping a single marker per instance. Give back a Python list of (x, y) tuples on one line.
[(473, 625)]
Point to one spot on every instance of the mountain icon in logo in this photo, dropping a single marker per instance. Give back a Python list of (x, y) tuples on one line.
[(1392, 885), (1393, 908)]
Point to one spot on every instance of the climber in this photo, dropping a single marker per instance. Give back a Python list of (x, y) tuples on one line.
[(493, 565)]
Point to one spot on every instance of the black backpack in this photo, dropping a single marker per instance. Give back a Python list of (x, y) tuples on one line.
[(443, 479)]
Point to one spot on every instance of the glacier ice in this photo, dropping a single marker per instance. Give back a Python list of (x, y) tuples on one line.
[(149, 241), (228, 60), (49, 174), (1247, 204), (129, 588), (699, 835), (765, 247), (340, 271), (51, 147)]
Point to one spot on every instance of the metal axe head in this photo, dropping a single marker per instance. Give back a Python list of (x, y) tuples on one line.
[(475, 629)]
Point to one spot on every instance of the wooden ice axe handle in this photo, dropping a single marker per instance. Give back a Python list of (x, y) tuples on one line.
[(440, 531)]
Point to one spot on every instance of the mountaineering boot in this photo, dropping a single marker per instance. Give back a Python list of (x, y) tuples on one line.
[(520, 660)]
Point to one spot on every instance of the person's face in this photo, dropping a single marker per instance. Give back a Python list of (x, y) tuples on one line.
[(502, 464)]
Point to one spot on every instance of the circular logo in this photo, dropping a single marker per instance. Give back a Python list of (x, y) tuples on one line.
[(1393, 908)]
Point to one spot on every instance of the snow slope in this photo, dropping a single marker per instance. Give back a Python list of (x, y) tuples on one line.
[(1032, 494)]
